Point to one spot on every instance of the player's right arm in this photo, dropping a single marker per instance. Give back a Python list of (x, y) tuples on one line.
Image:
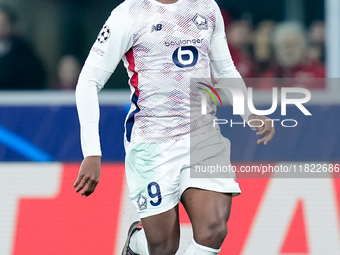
[(113, 42)]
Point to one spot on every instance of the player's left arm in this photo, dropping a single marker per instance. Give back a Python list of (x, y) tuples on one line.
[(222, 67), (264, 126)]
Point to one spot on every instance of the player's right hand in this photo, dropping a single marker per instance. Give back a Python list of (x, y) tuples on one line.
[(89, 175)]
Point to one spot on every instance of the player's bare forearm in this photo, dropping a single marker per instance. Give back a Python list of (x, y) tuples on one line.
[(266, 128), (89, 175)]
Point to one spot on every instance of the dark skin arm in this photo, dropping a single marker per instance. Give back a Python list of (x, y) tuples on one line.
[(89, 175)]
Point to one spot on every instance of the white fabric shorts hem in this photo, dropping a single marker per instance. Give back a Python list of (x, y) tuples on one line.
[(158, 174)]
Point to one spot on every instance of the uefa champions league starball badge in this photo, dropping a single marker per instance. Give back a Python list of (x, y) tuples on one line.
[(104, 34)]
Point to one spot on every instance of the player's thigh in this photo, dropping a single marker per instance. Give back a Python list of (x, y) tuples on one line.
[(163, 230), (205, 204), (153, 176), (209, 212)]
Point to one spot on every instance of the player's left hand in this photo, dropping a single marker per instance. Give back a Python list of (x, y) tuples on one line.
[(267, 129)]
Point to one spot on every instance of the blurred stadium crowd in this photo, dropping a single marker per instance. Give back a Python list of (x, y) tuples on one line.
[(268, 49), (278, 50)]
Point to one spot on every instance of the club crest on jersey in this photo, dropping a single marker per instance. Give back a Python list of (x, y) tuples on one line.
[(104, 34), (200, 22), (142, 202)]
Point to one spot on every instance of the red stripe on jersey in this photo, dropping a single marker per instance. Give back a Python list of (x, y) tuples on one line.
[(134, 78)]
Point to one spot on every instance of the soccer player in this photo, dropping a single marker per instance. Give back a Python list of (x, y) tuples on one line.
[(164, 44)]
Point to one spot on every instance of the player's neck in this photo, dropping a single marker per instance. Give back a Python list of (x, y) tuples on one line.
[(167, 1)]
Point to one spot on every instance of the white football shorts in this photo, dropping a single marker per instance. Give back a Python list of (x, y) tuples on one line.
[(158, 174)]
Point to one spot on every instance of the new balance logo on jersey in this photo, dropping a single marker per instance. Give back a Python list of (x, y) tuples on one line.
[(200, 22), (157, 27)]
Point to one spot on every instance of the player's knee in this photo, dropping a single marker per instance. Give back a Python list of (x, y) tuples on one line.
[(166, 246), (213, 234)]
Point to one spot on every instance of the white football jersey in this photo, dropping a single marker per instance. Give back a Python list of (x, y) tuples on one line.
[(163, 47)]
